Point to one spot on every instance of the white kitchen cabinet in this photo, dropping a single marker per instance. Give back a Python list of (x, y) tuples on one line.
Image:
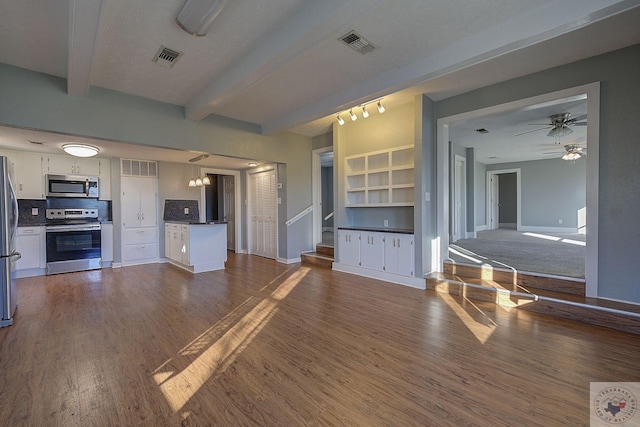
[(72, 165), (31, 243), (372, 250), (349, 247), (398, 254), (29, 176), (104, 177), (106, 243), (139, 220)]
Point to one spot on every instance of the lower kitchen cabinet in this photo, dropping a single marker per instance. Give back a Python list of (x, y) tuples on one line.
[(349, 244), (106, 243), (372, 250), (398, 254), (31, 243), (139, 245), (196, 247)]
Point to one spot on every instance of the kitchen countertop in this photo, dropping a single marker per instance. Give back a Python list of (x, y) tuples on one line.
[(378, 229), (197, 222)]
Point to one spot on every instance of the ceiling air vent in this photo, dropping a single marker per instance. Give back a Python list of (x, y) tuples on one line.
[(166, 56), (357, 43)]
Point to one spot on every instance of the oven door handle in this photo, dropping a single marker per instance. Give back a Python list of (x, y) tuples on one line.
[(58, 228)]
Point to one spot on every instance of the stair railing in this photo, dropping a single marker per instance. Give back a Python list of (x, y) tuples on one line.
[(299, 215), (328, 216)]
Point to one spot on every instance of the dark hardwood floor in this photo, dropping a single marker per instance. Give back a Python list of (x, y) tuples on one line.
[(263, 343)]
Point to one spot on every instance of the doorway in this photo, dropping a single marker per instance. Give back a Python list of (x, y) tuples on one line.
[(503, 199), (322, 176), (221, 202), (459, 199)]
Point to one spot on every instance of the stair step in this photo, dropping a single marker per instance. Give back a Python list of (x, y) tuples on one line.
[(594, 311), (566, 285), (317, 259), (324, 249)]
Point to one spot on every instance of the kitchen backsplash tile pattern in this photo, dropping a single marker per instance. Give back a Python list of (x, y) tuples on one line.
[(25, 209), (174, 210)]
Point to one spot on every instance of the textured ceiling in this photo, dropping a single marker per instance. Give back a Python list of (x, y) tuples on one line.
[(279, 64)]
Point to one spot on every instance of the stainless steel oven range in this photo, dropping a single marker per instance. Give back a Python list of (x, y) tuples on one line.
[(73, 240)]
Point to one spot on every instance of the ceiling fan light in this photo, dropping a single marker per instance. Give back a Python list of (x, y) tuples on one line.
[(80, 150), (196, 16)]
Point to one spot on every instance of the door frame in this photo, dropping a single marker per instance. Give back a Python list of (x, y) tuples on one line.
[(238, 205), (592, 93), (459, 186), (316, 182), (498, 172)]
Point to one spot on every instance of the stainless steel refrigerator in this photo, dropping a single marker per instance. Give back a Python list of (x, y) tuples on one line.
[(8, 253)]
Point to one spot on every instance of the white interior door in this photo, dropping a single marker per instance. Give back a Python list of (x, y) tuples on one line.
[(459, 196), (263, 214), (230, 209)]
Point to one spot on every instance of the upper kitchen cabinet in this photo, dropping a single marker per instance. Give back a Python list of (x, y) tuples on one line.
[(72, 165), (29, 177)]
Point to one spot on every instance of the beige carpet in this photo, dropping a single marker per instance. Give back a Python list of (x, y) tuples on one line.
[(557, 254)]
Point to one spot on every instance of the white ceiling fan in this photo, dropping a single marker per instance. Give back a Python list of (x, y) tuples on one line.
[(560, 125)]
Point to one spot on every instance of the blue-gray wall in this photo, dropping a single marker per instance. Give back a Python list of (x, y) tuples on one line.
[(619, 154)]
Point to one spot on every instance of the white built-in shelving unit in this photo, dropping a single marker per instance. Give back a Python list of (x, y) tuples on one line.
[(380, 178)]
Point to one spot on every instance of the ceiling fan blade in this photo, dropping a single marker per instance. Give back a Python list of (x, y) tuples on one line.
[(577, 119), (578, 124), (535, 130)]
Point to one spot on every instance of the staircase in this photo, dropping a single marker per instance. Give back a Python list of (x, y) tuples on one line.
[(322, 257), (559, 297)]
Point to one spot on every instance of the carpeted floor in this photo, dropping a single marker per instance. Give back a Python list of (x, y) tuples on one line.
[(549, 253)]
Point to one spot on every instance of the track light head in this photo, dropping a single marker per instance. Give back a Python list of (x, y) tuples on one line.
[(340, 120), (381, 108), (353, 115), (365, 113)]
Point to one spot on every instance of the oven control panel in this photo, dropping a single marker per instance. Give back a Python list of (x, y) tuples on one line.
[(71, 213)]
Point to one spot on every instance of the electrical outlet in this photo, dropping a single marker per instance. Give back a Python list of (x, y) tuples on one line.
[(34, 211), (559, 221), (186, 211), (386, 222)]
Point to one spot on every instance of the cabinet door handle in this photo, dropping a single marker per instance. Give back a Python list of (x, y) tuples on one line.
[(398, 242)]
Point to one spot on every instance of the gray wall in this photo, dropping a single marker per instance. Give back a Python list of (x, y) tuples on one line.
[(619, 154), (38, 101), (507, 195), (480, 173), (321, 141), (552, 190)]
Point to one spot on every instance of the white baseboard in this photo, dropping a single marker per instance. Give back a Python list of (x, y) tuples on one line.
[(30, 272), (470, 235), (508, 225), (536, 229), (116, 265), (289, 261), (414, 282), (481, 227)]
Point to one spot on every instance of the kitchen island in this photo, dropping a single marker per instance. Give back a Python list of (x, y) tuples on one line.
[(196, 246)]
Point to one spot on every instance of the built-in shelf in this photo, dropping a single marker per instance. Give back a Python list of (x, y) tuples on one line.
[(380, 178)]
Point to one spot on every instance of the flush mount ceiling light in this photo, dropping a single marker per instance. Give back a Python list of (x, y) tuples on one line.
[(196, 16), (253, 165), (80, 150)]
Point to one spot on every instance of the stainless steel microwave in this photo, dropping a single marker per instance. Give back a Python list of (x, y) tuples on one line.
[(72, 186)]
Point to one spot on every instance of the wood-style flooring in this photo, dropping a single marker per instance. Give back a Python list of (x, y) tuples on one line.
[(263, 343)]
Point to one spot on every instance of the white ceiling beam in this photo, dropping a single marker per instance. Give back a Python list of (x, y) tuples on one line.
[(314, 23), (84, 23), (509, 36)]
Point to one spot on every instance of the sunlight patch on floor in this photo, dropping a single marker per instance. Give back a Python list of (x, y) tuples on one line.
[(218, 354), (480, 325)]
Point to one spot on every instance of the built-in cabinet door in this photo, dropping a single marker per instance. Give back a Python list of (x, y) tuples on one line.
[(398, 254), (106, 242), (29, 177), (72, 165), (349, 247), (372, 250), (185, 248), (30, 243), (148, 209), (130, 199)]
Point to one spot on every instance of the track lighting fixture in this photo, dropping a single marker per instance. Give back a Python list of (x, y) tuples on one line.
[(365, 112)]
